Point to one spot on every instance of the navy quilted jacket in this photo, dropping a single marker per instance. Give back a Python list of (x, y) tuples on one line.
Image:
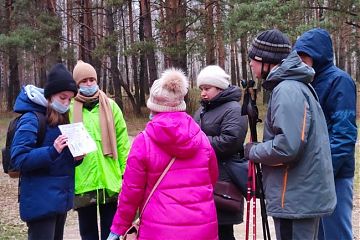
[(337, 95), (47, 177)]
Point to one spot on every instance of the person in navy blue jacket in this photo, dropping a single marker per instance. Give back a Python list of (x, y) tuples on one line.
[(46, 171), (337, 95)]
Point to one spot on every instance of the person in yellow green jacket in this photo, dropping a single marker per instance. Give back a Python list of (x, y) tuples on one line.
[(98, 180)]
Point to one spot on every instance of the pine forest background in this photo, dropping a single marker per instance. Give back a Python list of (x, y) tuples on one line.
[(131, 42)]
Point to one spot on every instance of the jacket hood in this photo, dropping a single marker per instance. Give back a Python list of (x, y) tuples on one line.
[(176, 133), (30, 99), (318, 45), (232, 93), (291, 68)]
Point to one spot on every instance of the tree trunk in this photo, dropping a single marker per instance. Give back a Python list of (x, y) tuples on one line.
[(115, 73), (125, 47), (342, 39), (174, 33), (357, 57), (86, 31), (220, 36), (237, 67), (143, 74), (42, 72), (137, 106), (14, 84), (209, 28), (148, 38), (243, 47), (117, 79), (232, 64), (70, 31)]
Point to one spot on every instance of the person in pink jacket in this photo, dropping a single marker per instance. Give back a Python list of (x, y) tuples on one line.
[(182, 206)]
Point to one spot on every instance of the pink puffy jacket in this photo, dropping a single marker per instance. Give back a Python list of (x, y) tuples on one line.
[(182, 206)]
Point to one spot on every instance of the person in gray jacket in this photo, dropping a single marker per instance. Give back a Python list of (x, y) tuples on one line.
[(220, 118), (295, 152)]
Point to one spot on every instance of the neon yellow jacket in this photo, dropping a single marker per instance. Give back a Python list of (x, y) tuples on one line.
[(99, 172)]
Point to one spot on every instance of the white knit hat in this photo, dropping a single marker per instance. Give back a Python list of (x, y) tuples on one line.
[(167, 93), (213, 75)]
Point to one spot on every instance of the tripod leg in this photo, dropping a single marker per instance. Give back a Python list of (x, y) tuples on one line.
[(265, 223)]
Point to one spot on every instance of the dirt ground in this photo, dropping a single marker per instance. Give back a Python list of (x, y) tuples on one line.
[(11, 226)]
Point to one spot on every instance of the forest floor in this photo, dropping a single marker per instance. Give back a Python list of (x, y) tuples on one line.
[(11, 227)]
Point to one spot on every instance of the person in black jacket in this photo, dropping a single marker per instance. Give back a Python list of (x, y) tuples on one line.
[(220, 118)]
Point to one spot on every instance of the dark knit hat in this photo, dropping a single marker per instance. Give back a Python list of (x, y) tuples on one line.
[(59, 79), (270, 46)]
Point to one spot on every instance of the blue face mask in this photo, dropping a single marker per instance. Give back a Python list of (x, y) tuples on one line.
[(60, 108), (89, 90)]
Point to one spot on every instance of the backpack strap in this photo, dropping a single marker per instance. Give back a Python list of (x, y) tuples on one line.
[(41, 128)]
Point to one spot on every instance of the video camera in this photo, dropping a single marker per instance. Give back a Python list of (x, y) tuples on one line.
[(247, 83)]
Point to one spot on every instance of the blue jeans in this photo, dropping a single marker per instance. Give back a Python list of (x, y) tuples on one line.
[(338, 225)]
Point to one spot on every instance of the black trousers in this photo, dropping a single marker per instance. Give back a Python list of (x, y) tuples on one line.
[(88, 223), (226, 232), (296, 229), (50, 228)]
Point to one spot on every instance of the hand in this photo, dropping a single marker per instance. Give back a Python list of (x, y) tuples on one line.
[(78, 158), (247, 148), (60, 143), (113, 236)]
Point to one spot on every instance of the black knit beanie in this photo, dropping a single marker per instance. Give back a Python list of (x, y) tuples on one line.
[(270, 46), (59, 79)]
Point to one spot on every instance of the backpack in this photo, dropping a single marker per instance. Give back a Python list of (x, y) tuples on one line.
[(7, 161)]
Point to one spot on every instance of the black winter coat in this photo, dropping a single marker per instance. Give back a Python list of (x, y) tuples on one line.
[(221, 120)]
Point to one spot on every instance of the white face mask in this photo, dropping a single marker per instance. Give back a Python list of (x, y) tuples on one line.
[(89, 90), (59, 107)]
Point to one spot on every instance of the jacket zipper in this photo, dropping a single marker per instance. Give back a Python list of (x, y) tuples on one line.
[(284, 187)]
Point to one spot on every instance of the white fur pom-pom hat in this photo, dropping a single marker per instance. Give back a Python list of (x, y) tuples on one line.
[(167, 93)]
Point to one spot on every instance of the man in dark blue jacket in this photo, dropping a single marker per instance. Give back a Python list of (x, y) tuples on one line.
[(337, 95)]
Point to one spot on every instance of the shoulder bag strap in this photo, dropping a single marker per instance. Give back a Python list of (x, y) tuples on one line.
[(160, 178)]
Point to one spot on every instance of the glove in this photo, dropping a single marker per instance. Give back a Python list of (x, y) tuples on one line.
[(113, 236), (247, 148)]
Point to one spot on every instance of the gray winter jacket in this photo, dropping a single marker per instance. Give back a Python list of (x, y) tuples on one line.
[(226, 129), (295, 152)]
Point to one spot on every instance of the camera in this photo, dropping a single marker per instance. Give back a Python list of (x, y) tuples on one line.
[(247, 83)]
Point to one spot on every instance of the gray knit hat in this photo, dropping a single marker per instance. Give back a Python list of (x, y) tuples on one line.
[(270, 46)]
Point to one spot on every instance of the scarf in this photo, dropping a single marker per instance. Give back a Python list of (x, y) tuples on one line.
[(108, 138)]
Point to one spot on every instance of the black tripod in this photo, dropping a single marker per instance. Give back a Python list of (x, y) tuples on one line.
[(250, 109)]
